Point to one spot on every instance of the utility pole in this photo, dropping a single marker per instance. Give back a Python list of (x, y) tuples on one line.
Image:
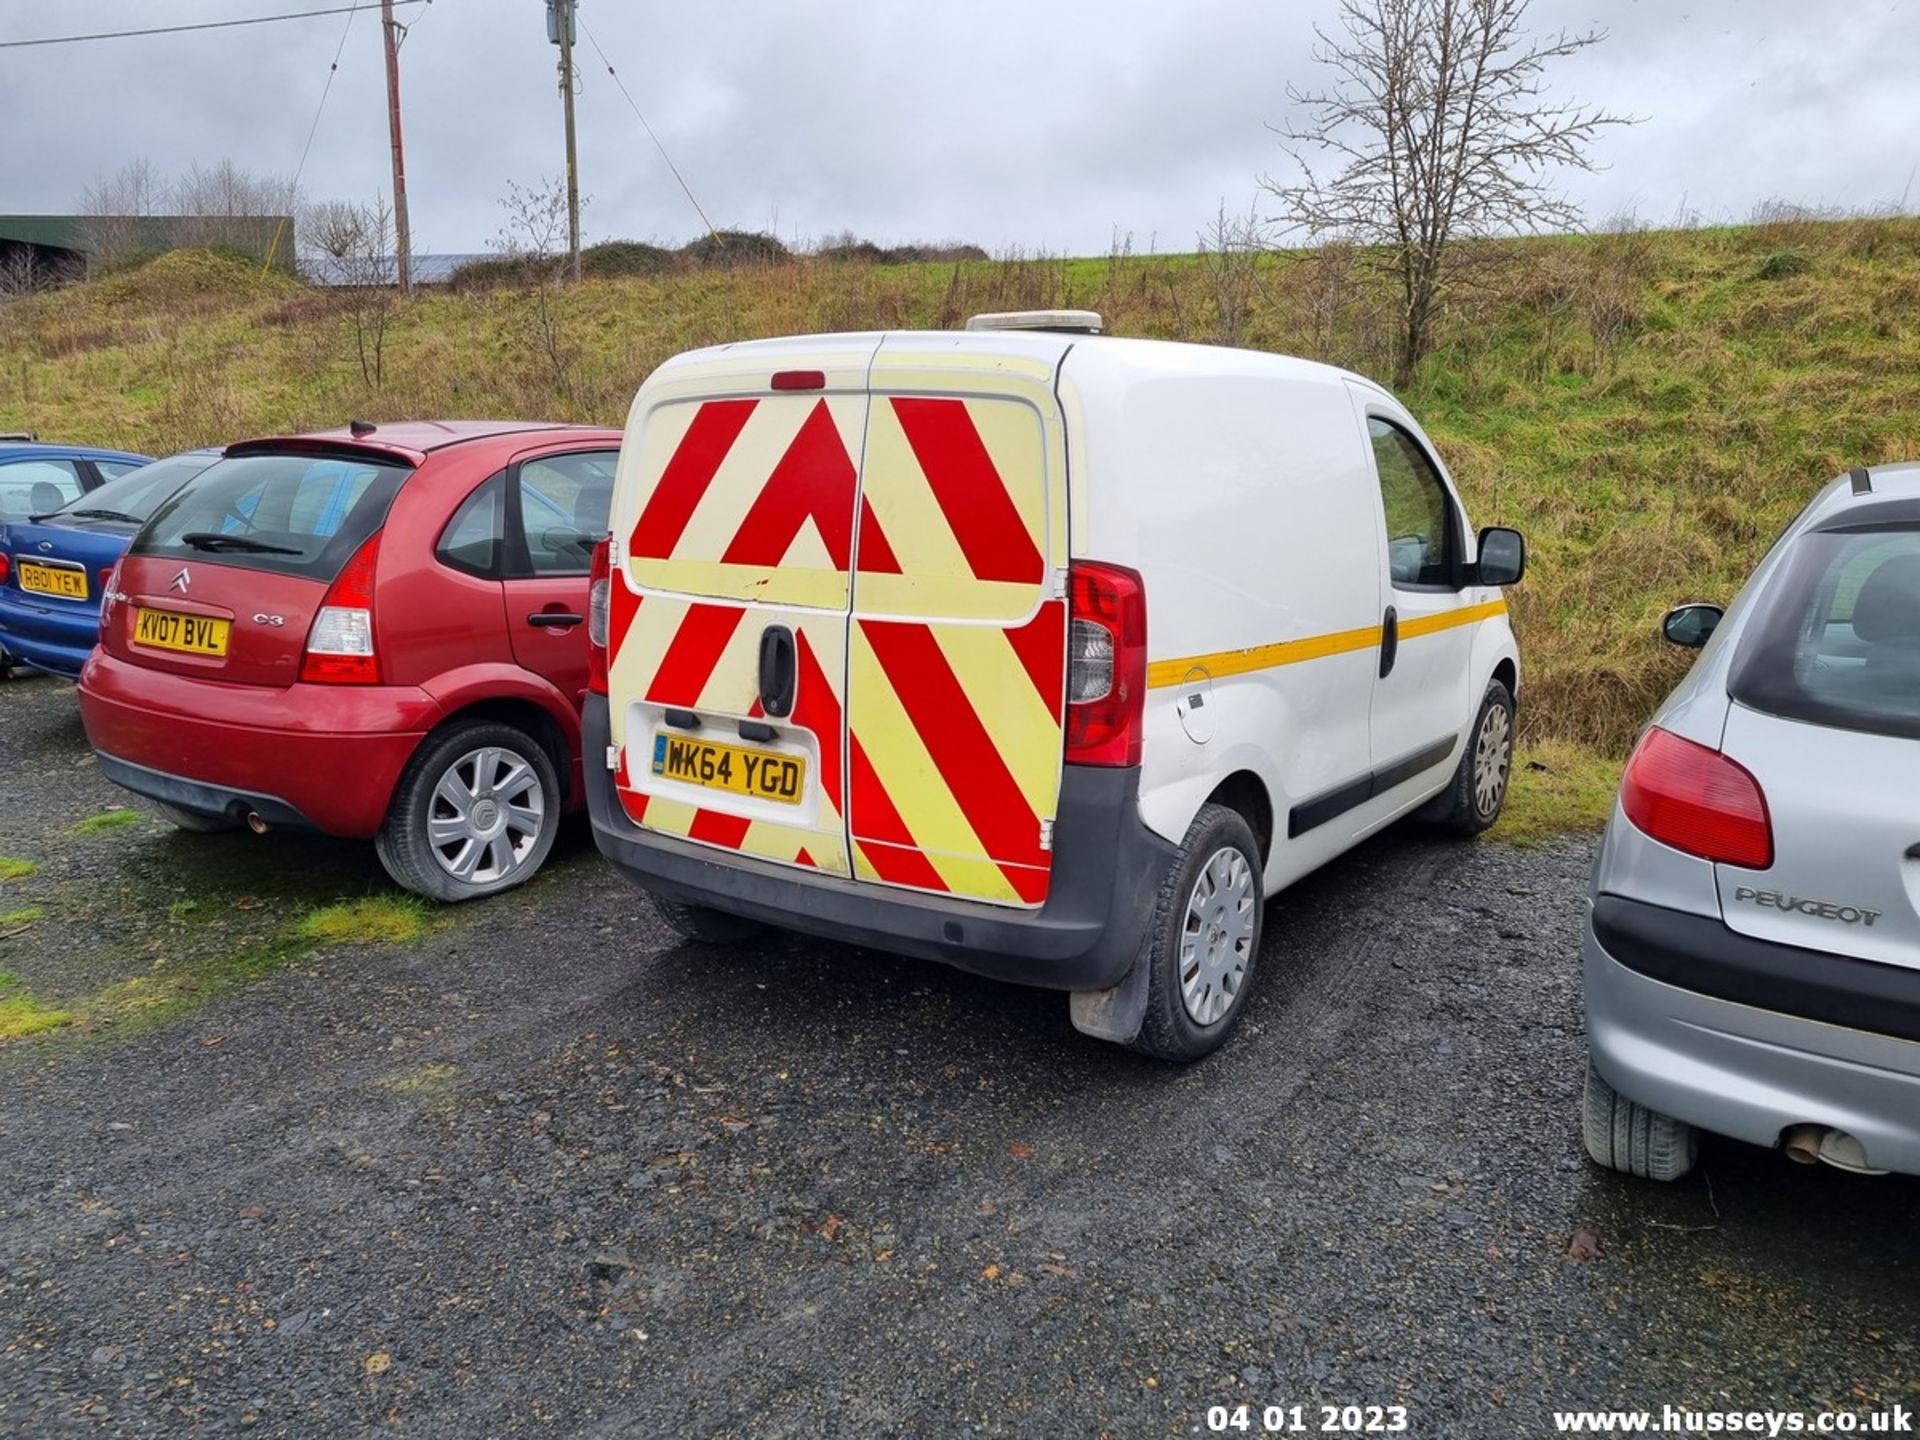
[(560, 27), (402, 241)]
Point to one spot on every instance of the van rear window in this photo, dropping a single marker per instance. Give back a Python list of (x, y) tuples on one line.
[(1836, 640), (294, 514)]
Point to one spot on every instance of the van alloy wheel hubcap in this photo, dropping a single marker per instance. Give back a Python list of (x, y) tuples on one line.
[(1492, 755), (486, 815), (1217, 944)]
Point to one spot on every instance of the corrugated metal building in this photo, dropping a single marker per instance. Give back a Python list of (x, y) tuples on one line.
[(68, 247)]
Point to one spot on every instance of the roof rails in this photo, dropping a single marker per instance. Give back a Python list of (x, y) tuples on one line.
[(24, 437), (1862, 481), (1063, 322)]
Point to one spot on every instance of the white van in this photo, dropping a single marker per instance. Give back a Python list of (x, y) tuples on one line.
[(1047, 654)]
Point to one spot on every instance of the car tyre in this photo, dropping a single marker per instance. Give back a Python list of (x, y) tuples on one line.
[(1474, 799), (705, 925), (194, 820), (478, 784), (1203, 941), (1632, 1139)]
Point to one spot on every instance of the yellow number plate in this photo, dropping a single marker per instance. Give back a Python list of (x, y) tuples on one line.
[(168, 630), (760, 774), (68, 584)]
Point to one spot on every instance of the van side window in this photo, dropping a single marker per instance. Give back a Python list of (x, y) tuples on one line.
[(1422, 532)]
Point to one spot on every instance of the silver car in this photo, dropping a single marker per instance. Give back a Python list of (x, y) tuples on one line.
[(1752, 947)]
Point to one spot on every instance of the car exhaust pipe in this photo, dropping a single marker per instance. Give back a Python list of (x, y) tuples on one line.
[(1803, 1144), (255, 823), (1820, 1145)]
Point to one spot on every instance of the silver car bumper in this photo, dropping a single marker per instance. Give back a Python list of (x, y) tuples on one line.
[(1746, 1072)]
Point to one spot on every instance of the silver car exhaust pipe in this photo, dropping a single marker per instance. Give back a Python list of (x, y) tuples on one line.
[(1822, 1145), (255, 823)]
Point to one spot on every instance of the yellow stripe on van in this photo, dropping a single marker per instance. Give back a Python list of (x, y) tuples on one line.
[(1222, 663)]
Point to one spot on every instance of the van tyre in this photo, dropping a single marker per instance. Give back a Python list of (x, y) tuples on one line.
[(1631, 1138), (195, 821), (1479, 789), (475, 813), (1204, 939), (709, 927)]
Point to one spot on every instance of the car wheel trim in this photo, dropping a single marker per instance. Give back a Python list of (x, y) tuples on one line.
[(486, 815), (1216, 941), (1492, 758)]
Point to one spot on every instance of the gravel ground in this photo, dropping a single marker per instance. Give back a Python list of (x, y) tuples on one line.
[(545, 1170)]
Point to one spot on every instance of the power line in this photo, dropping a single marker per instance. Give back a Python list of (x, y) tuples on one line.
[(312, 130), (201, 25), (685, 189)]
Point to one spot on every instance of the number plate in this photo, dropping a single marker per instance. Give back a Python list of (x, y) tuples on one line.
[(69, 583), (169, 630), (760, 774)]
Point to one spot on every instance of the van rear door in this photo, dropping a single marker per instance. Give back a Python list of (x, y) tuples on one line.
[(957, 647), (734, 519)]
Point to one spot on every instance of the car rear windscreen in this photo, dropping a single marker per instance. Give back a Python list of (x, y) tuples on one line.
[(138, 493), (293, 513), (1836, 640)]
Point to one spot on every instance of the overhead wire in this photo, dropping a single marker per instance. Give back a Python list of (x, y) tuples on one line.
[(685, 189), (314, 129), (198, 25)]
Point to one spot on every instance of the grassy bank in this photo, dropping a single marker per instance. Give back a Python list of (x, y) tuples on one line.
[(1650, 408)]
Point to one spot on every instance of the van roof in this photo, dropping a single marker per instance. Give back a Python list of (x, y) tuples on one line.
[(1147, 357)]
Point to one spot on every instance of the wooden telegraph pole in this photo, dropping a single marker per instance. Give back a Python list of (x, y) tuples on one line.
[(402, 241), (561, 12)]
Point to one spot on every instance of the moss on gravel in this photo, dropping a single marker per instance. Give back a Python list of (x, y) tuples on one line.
[(11, 869), (107, 820), (388, 919)]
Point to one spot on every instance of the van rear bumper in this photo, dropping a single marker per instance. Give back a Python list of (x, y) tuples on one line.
[(1107, 870)]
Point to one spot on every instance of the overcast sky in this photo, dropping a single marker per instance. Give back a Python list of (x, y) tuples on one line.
[(1005, 122)]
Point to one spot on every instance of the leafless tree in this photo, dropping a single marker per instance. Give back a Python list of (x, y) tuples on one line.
[(1436, 129), (360, 240), (224, 204), (533, 241), (112, 206), (1230, 250)]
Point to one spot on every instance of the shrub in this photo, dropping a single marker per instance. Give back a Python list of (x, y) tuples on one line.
[(733, 250)]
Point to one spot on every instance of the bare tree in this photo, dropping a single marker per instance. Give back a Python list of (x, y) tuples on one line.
[(360, 241), (112, 206), (533, 242), (1230, 250), (1436, 130)]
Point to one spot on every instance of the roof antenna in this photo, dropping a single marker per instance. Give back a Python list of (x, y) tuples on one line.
[(357, 428)]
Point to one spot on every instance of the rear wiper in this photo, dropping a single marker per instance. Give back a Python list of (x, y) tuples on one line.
[(91, 514), (214, 540)]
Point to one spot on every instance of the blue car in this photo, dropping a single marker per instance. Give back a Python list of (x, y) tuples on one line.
[(54, 566)]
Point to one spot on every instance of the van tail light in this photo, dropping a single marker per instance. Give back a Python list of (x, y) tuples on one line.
[(1697, 800), (340, 642), (1106, 664), (599, 601)]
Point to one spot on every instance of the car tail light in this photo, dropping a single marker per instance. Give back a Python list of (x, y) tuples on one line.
[(6, 567), (1106, 664), (340, 642), (1697, 800), (599, 601)]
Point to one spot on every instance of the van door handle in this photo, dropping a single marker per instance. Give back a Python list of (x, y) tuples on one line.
[(778, 671), (1389, 641), (554, 619)]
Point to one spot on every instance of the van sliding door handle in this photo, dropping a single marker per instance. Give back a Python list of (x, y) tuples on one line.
[(779, 670), (1389, 641)]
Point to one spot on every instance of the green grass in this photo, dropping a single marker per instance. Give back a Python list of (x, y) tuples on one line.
[(378, 919), (14, 919), (1557, 789), (108, 820), (166, 990), (1650, 408), (16, 869)]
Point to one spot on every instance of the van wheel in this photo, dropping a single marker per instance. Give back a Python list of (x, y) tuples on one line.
[(1472, 802), (1631, 1138), (709, 927), (193, 820), (475, 813), (1203, 940)]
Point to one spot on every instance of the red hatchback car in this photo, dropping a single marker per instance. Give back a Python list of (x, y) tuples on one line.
[(375, 632)]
